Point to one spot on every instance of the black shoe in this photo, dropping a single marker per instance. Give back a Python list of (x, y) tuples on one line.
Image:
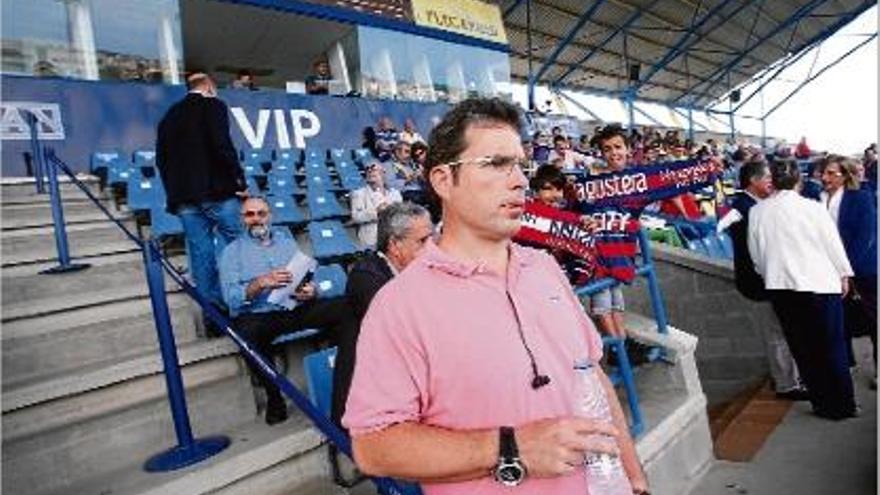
[(795, 394), (838, 416), (212, 330), (276, 411)]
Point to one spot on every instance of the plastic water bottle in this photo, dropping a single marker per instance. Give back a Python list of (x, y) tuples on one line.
[(605, 473)]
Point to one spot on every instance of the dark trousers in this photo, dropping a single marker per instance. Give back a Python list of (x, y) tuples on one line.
[(813, 328), (260, 329)]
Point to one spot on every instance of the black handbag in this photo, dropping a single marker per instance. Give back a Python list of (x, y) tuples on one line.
[(856, 320)]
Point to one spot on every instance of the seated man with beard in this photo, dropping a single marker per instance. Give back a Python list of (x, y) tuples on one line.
[(251, 267)]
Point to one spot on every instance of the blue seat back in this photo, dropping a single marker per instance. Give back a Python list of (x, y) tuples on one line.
[(323, 204), (144, 158), (330, 240), (281, 184), (257, 155), (330, 280), (361, 155), (337, 154), (144, 193), (318, 367), (284, 210), (315, 155), (103, 160)]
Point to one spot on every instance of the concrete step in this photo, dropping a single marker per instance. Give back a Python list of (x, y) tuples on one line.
[(27, 293), (23, 191), (112, 370), (63, 343), (37, 245), (55, 445), (20, 216), (282, 459)]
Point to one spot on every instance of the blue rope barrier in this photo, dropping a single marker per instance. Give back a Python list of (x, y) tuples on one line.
[(58, 225)]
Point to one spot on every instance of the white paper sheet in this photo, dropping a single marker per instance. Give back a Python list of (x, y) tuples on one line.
[(298, 266)]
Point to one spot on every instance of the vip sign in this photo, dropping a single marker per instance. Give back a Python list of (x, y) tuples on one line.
[(14, 121), (302, 124)]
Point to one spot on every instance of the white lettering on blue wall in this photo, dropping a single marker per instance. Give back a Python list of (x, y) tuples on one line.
[(14, 123), (303, 124)]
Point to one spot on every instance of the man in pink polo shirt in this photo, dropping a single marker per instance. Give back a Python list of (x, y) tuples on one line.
[(465, 377)]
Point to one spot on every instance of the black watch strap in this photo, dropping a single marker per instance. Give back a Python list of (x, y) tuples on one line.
[(507, 448)]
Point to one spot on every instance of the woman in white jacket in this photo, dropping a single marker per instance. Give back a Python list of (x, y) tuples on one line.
[(797, 250), (368, 201)]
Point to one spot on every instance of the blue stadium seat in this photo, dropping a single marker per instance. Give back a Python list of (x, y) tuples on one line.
[(285, 211), (144, 158), (330, 240), (337, 154), (361, 155), (330, 281), (257, 155), (282, 185), (288, 156), (118, 173), (726, 244), (314, 155), (323, 204), (103, 160), (164, 224), (253, 169), (144, 193), (253, 187), (318, 367), (349, 183)]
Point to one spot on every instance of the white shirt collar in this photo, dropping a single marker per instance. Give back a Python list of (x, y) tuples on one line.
[(394, 269)]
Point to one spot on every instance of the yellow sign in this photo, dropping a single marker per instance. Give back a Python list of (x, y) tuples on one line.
[(468, 17)]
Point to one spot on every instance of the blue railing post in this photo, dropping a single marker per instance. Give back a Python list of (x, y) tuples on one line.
[(653, 285), (64, 264), (188, 450), (39, 162)]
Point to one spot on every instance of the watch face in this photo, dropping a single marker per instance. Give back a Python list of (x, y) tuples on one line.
[(510, 473)]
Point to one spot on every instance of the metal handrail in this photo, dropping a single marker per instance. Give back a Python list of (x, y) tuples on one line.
[(190, 450)]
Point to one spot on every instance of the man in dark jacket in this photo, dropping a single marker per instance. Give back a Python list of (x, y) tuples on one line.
[(202, 178), (402, 231), (754, 180)]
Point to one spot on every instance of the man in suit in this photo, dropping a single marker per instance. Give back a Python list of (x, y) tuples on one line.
[(202, 178), (368, 201), (855, 215), (403, 229), (754, 180)]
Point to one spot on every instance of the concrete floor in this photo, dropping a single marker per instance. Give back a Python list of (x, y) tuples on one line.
[(806, 455)]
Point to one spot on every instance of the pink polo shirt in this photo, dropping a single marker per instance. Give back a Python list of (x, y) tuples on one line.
[(439, 346)]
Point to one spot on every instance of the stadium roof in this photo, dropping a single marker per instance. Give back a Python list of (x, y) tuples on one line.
[(689, 52)]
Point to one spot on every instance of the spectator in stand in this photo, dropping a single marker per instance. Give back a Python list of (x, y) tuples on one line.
[(368, 201), (798, 252), (608, 306), (541, 147), (244, 80), (386, 138), (570, 159), (812, 186), (254, 265), (855, 215), (870, 162), (203, 180), (318, 83), (556, 131), (461, 310), (756, 185), (583, 146), (802, 150), (410, 135), (399, 171), (402, 231)]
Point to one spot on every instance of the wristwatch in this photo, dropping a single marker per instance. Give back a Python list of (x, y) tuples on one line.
[(510, 470)]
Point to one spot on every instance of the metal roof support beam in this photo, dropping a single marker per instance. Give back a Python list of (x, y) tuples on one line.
[(628, 102), (813, 43), (510, 9), (582, 107), (819, 73), (572, 33), (647, 116), (680, 114), (593, 51), (679, 46), (719, 73)]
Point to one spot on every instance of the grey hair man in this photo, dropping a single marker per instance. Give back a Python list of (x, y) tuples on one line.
[(403, 229)]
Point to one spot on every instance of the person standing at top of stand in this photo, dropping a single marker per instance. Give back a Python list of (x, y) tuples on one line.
[(203, 180)]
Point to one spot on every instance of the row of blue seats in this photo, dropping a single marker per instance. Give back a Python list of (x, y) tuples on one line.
[(310, 154), (701, 236)]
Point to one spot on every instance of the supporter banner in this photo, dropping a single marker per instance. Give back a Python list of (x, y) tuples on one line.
[(468, 17), (634, 187), (78, 118), (614, 202)]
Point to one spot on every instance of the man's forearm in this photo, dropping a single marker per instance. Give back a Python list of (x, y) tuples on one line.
[(427, 453), (254, 288)]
